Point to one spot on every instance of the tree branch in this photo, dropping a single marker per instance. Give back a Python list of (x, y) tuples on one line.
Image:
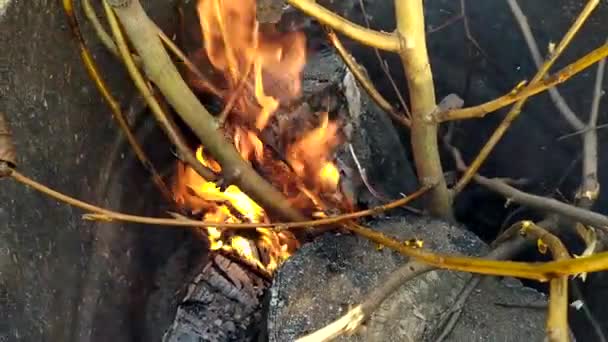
[(413, 53), (517, 94), (516, 109), (165, 122), (95, 75), (143, 35), (380, 40), (557, 319)]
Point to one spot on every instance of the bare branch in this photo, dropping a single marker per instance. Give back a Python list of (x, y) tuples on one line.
[(93, 72), (143, 34), (557, 319), (557, 98), (414, 57), (380, 40), (516, 109)]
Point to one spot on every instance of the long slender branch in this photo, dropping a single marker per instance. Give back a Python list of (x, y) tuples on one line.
[(517, 94), (95, 75), (543, 203), (365, 82), (143, 35), (384, 66), (380, 40), (590, 187), (414, 56), (516, 109), (555, 95), (557, 318), (161, 116), (102, 214), (535, 271)]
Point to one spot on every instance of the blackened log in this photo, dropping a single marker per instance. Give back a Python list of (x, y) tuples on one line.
[(341, 270)]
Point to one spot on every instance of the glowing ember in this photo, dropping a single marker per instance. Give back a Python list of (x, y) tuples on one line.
[(269, 63)]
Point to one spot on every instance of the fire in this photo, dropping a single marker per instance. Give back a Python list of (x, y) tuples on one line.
[(261, 70)]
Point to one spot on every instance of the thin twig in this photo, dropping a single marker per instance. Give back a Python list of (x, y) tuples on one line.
[(557, 98), (143, 35), (516, 109), (161, 116), (201, 78), (535, 271), (590, 186), (543, 203), (352, 320), (557, 318), (384, 66), (457, 308), (102, 214), (380, 40), (467, 29), (93, 72), (582, 131), (234, 95), (364, 81)]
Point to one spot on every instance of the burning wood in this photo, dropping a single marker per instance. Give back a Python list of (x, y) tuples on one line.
[(258, 69)]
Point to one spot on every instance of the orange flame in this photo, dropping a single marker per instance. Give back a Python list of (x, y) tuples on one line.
[(261, 69)]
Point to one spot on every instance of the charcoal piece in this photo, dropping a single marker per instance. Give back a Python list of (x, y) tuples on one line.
[(221, 304), (327, 84), (319, 283)]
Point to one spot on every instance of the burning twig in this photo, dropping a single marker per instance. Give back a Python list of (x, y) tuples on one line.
[(413, 53), (143, 34), (557, 319), (161, 117), (535, 271), (352, 320), (516, 109), (106, 215), (95, 75), (380, 40), (364, 81)]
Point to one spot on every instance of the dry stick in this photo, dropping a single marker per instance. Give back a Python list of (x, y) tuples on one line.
[(380, 40), (183, 222), (102, 214), (364, 81), (557, 98), (238, 91), (557, 319), (543, 203), (204, 81), (413, 53), (590, 187), (534, 271), (159, 68), (457, 308), (95, 75), (348, 324), (516, 109), (162, 118), (479, 111), (384, 65)]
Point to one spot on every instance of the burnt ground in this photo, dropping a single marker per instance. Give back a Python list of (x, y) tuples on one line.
[(65, 279)]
